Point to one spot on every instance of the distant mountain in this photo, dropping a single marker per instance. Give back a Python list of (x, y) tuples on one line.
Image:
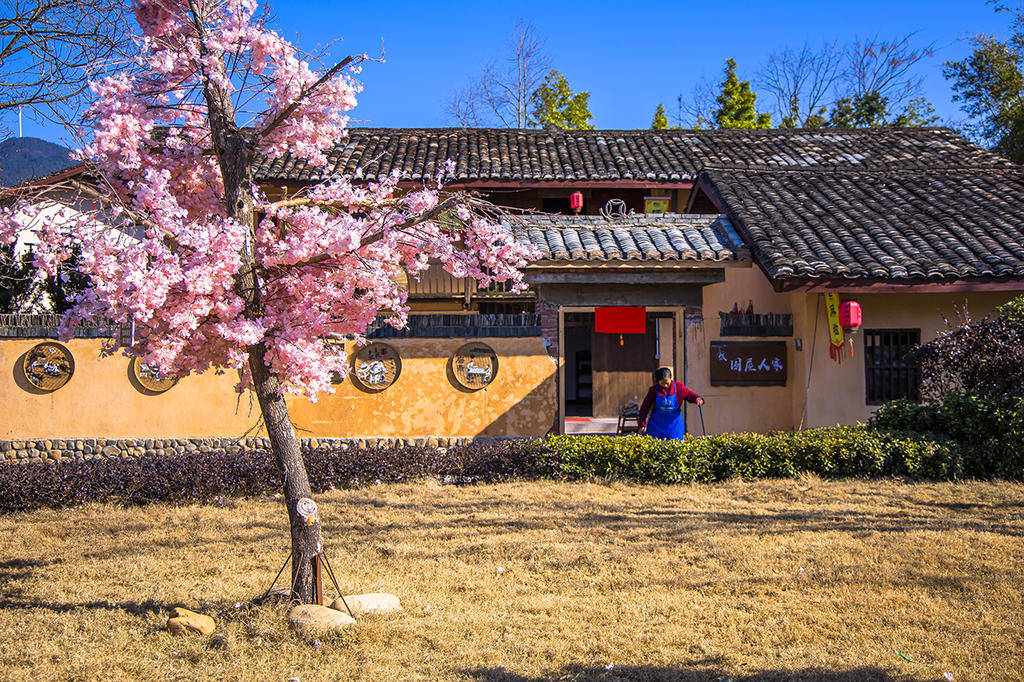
[(23, 158)]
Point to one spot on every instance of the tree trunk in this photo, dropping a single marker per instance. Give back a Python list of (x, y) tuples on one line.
[(307, 540), (235, 154)]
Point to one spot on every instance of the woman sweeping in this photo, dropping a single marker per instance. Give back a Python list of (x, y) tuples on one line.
[(663, 405)]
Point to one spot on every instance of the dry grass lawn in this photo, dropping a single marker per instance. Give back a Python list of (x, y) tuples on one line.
[(800, 579)]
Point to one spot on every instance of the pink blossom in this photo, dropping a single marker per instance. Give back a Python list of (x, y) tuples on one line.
[(162, 253)]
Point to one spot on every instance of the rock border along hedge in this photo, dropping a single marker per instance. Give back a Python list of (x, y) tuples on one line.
[(57, 449)]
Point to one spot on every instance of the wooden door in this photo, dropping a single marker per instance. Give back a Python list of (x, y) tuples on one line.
[(622, 373)]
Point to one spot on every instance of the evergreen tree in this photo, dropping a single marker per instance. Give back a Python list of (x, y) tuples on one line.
[(871, 110), (660, 121), (736, 103), (919, 112), (989, 84), (555, 104), (63, 287), (862, 111), (15, 278), (793, 118)]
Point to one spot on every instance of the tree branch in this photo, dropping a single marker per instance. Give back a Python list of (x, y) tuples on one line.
[(442, 207), (283, 115)]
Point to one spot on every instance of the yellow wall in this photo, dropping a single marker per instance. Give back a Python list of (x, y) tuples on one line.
[(100, 402), (736, 408), (837, 391), (423, 402), (881, 311)]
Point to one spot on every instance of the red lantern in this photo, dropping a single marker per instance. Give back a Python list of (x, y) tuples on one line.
[(576, 201), (850, 316)]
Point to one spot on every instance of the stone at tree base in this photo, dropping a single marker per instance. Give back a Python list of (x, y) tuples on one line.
[(314, 617), (368, 604), (183, 622)]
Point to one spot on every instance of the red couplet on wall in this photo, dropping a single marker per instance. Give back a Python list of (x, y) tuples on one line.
[(620, 320)]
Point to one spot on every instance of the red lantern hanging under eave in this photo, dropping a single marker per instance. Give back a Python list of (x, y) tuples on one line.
[(850, 316), (576, 201), (620, 320)]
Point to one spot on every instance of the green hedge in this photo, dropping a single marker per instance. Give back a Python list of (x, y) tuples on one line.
[(989, 433), (838, 452)]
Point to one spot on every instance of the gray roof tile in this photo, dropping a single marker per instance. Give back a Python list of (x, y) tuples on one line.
[(890, 225), (636, 237), (489, 154)]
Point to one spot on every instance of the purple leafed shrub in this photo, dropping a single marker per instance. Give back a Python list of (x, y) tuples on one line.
[(983, 358), (192, 478)]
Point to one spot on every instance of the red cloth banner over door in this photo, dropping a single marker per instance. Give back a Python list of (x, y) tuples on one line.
[(620, 320)]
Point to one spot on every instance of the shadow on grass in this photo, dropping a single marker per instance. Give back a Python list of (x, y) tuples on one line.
[(136, 608), (225, 610), (146, 546), (673, 524), (677, 524), (698, 672), (17, 569)]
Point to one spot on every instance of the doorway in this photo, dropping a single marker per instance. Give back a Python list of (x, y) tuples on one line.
[(579, 369), (603, 372)]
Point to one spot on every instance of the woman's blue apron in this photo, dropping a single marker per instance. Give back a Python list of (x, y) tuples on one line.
[(666, 419)]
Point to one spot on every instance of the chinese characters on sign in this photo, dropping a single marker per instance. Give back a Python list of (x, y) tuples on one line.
[(376, 366), (748, 363), (835, 330), (657, 204)]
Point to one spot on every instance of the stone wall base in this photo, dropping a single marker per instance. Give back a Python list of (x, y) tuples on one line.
[(55, 450)]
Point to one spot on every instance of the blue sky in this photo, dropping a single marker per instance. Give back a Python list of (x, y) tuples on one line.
[(629, 56)]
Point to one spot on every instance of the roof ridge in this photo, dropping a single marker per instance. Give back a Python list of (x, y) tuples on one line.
[(766, 132), (1010, 167)]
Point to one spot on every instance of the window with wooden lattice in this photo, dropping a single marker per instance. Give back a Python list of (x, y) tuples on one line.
[(889, 372)]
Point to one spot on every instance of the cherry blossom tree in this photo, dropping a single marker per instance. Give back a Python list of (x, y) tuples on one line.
[(213, 273)]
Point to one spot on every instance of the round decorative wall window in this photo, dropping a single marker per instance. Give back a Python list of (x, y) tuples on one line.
[(48, 366), (150, 378), (376, 366), (474, 365)]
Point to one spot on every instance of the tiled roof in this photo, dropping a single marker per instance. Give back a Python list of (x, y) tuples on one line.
[(893, 225), (636, 237), (488, 154)]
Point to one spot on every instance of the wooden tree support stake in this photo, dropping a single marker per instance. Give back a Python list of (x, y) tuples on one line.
[(307, 511)]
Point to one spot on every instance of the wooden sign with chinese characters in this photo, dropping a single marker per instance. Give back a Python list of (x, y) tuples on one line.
[(48, 366), (657, 204), (376, 367), (474, 365), (150, 378), (748, 363)]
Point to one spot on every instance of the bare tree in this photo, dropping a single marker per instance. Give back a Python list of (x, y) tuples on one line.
[(865, 82), (501, 94), (886, 67), (696, 110), (49, 49), (802, 82)]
